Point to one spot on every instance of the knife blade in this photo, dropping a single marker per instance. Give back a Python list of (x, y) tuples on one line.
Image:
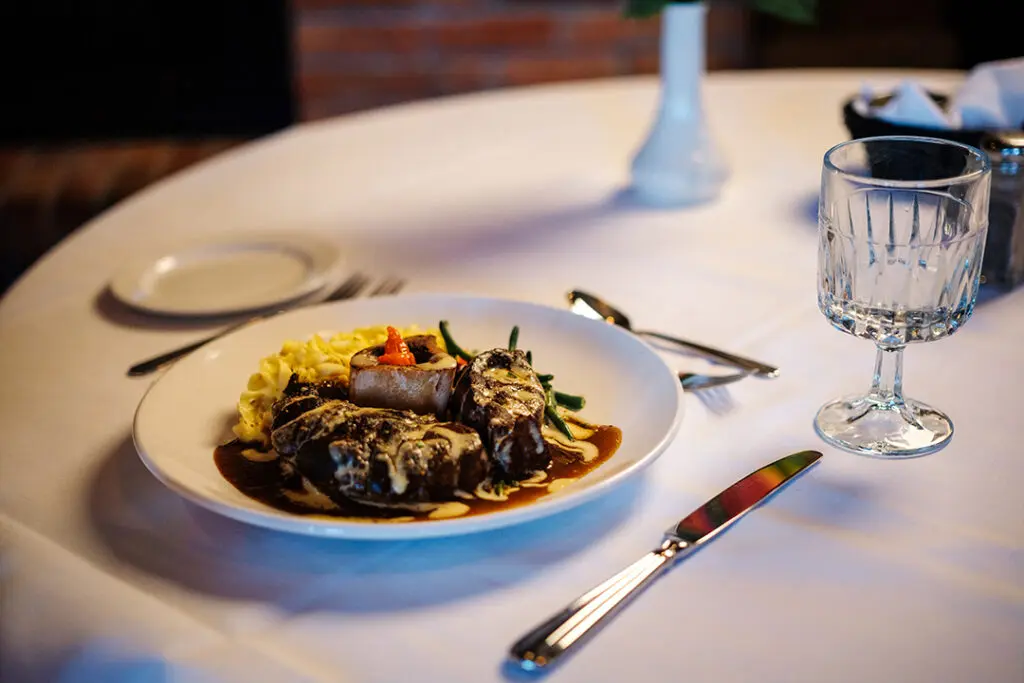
[(540, 648)]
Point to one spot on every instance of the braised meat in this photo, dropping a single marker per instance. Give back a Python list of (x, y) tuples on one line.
[(299, 397), (498, 394), (379, 455), (386, 460), (423, 387)]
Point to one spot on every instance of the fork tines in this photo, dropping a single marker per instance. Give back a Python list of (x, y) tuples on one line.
[(390, 285)]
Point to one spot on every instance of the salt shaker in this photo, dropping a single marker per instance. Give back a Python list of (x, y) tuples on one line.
[(1003, 264)]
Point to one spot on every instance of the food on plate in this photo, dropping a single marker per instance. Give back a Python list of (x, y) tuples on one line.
[(310, 360), (499, 395), (414, 373), (375, 455), (300, 397), (407, 427)]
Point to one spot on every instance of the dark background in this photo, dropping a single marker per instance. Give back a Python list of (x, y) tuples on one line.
[(104, 69), (103, 97)]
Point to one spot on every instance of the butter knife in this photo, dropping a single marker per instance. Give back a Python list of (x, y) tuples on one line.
[(541, 648)]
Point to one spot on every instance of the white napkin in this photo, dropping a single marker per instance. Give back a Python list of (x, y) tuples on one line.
[(991, 97)]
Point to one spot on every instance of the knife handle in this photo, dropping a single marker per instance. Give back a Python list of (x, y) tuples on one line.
[(539, 648), (147, 366)]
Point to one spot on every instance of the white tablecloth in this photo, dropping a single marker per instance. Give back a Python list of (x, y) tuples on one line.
[(863, 570)]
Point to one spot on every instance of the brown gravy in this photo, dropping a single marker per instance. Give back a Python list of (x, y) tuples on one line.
[(265, 482)]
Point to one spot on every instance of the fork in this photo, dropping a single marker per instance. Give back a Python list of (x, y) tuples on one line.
[(717, 400), (389, 285), (692, 381), (346, 290), (710, 389)]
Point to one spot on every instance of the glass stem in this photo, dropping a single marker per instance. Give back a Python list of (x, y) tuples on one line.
[(887, 384)]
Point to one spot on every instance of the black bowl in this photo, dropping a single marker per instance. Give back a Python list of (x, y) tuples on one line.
[(997, 247), (949, 160), (867, 127)]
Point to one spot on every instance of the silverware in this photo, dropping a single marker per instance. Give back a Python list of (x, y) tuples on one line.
[(711, 390), (539, 649), (692, 381), (390, 285), (593, 307), (346, 290)]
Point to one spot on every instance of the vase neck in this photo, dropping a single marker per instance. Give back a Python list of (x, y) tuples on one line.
[(682, 51)]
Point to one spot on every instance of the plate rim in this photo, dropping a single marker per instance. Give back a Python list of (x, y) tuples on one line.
[(325, 527), (324, 254)]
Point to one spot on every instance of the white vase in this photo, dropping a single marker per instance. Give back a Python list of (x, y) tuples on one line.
[(679, 163)]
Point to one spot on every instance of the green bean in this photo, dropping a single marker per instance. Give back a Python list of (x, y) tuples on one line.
[(453, 348), (513, 338), (529, 358), (570, 401), (551, 410), (545, 379)]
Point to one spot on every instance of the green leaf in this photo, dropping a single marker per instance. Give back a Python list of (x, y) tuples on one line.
[(640, 9), (800, 11)]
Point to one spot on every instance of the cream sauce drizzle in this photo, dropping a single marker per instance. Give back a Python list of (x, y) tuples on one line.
[(460, 441), (411, 507), (535, 480), (485, 492), (255, 455), (559, 484), (584, 449), (310, 496), (439, 361), (449, 510), (506, 375)]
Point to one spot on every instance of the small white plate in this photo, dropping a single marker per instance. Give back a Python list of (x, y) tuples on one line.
[(189, 410), (222, 278)]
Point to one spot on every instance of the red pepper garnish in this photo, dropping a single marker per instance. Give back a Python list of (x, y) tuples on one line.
[(396, 351)]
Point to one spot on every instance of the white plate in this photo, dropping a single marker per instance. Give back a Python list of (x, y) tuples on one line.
[(221, 278), (189, 410)]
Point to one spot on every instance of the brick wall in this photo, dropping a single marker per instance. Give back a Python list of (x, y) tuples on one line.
[(350, 55), (358, 54), (47, 192)]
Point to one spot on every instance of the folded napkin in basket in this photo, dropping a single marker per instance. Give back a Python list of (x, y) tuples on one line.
[(991, 98)]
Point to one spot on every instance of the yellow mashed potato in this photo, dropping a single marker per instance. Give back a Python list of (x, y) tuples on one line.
[(314, 359)]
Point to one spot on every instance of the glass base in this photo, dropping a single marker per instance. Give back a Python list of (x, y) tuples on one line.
[(883, 429)]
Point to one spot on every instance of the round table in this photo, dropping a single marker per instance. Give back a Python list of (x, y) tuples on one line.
[(863, 570)]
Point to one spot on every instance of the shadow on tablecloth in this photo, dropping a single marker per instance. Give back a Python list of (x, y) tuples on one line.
[(109, 308), (152, 529), (806, 213), (468, 234)]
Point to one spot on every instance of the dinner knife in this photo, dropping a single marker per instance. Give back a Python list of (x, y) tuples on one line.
[(540, 648)]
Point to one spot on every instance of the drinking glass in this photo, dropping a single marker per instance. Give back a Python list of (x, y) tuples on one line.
[(901, 228)]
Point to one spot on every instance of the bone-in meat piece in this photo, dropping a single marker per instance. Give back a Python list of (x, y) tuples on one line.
[(423, 388)]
